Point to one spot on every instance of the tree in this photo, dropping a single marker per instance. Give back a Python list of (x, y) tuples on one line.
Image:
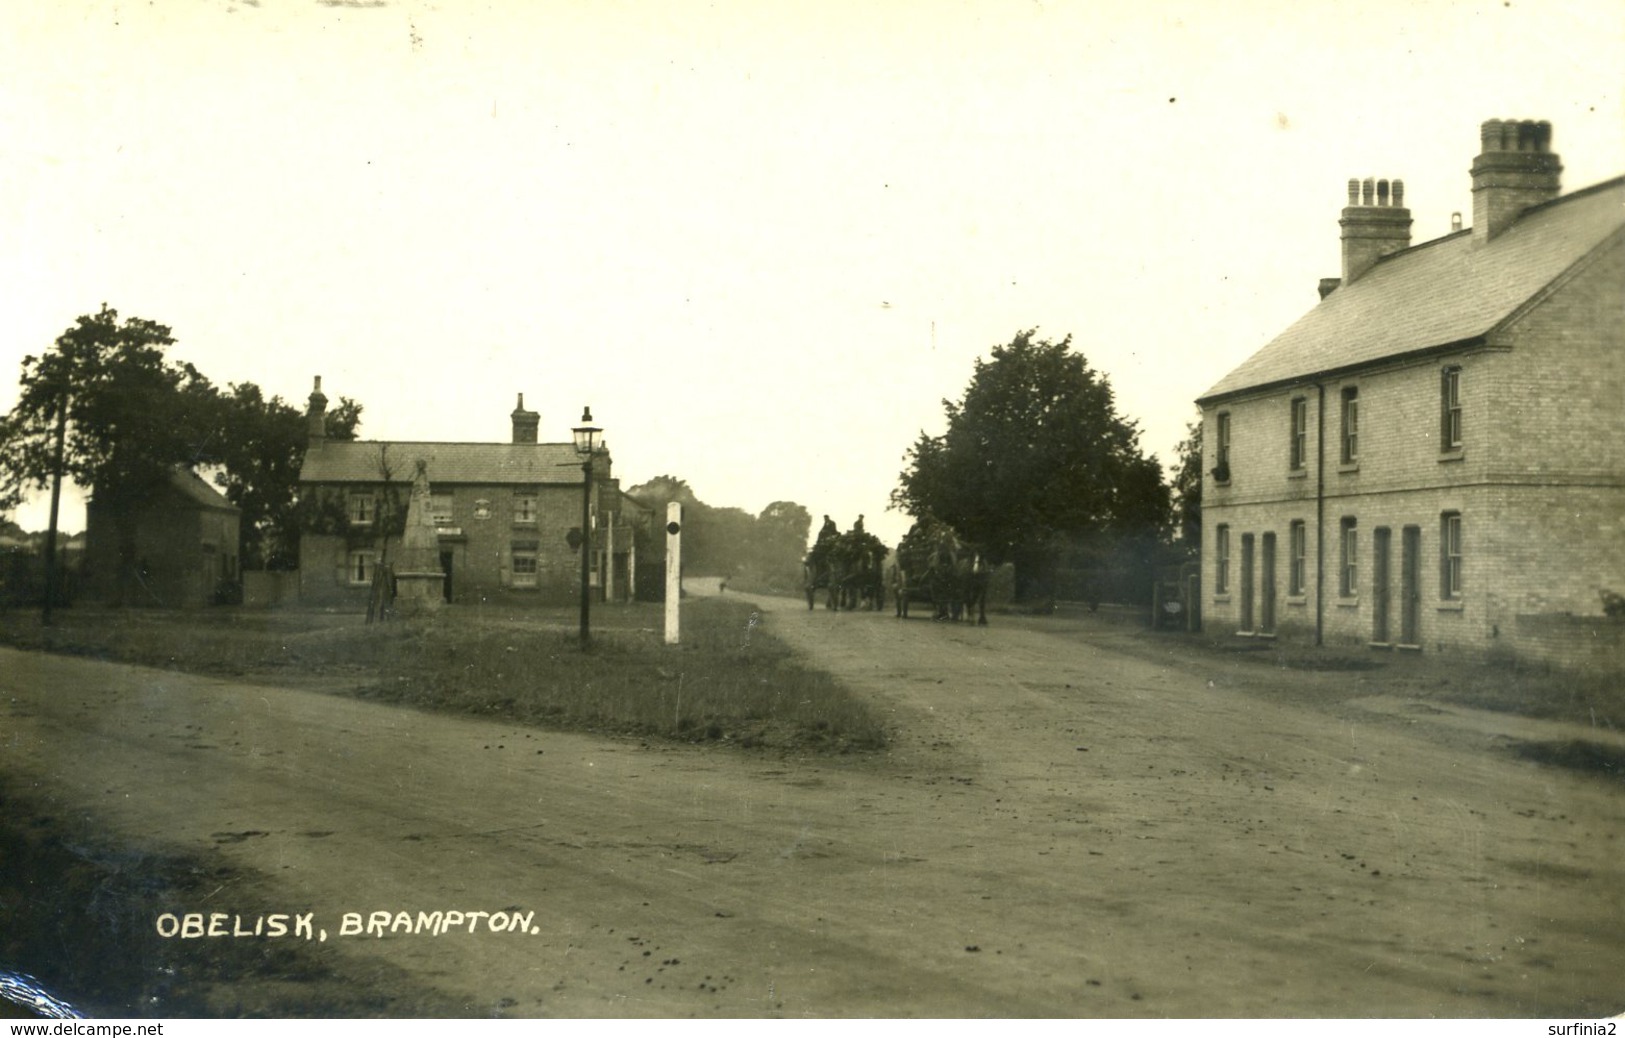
[(1036, 462), (133, 417), (724, 541), (1187, 488), (262, 446), (781, 533)]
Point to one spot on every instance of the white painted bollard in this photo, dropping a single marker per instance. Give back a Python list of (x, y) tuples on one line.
[(674, 567)]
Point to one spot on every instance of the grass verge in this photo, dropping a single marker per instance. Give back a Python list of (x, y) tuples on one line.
[(1333, 673), (729, 681)]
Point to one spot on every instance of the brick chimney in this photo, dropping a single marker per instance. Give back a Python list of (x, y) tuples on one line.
[(316, 416), (1375, 223), (1515, 170), (525, 423)]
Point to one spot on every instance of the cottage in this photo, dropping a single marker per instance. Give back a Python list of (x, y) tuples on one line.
[(1433, 457), (507, 516), (173, 547)]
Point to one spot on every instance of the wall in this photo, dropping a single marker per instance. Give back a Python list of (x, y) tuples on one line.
[(265, 589), (1559, 449), (480, 550), (1582, 643), (181, 553), (1402, 476)]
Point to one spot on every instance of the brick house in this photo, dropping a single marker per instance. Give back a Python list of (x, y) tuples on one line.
[(1434, 455), (179, 550), (507, 515)]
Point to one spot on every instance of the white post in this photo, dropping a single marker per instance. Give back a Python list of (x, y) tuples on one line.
[(674, 566)]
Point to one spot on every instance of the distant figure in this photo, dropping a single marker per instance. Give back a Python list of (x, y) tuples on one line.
[(857, 527), (828, 530)]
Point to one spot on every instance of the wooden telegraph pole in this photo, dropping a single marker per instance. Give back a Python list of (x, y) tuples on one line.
[(56, 503)]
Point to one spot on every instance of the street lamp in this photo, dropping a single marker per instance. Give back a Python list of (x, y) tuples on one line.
[(585, 435)]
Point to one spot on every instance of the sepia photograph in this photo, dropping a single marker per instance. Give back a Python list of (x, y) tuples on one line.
[(914, 511)]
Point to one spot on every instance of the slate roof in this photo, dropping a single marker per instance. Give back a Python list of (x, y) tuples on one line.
[(1446, 291), (198, 490), (362, 461)]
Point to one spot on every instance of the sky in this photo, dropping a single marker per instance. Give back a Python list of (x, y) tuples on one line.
[(763, 241)]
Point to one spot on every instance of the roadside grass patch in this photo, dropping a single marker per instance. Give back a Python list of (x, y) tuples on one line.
[(1338, 673), (1579, 755), (1505, 686), (728, 681)]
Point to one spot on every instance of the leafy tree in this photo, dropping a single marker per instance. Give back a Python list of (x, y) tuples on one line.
[(135, 415), (1187, 488), (782, 530), (1036, 462), (132, 417), (726, 541), (262, 447)]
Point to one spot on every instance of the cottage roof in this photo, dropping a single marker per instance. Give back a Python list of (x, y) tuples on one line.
[(198, 490), (1450, 290), (365, 461)]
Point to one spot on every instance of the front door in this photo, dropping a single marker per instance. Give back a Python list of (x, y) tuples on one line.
[(1410, 586), (1266, 579), (445, 567), (1381, 554), (1246, 582)]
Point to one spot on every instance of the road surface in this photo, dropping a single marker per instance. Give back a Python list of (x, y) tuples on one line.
[(1060, 829)]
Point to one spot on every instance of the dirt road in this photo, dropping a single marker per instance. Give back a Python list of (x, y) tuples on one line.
[(1060, 829)]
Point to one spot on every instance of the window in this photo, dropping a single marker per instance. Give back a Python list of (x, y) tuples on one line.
[(524, 509), (362, 509), (1221, 469), (359, 568), (1298, 554), (1351, 425), (524, 567), (1300, 433), (440, 509), (1349, 582), (1450, 555), (1450, 409), (1221, 557)]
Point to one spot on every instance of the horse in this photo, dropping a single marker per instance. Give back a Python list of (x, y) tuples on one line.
[(935, 566), (972, 574), (864, 585)]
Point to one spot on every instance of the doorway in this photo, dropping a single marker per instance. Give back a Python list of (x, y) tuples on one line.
[(1381, 556), (1246, 582), (1410, 586), (1266, 579)]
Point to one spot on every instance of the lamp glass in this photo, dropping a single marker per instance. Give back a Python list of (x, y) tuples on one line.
[(586, 432)]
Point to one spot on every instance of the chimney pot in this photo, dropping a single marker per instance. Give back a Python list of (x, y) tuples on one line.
[(1515, 170), (1375, 224), (525, 423), (316, 415)]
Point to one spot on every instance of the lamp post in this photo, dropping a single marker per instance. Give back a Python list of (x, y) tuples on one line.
[(585, 436)]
